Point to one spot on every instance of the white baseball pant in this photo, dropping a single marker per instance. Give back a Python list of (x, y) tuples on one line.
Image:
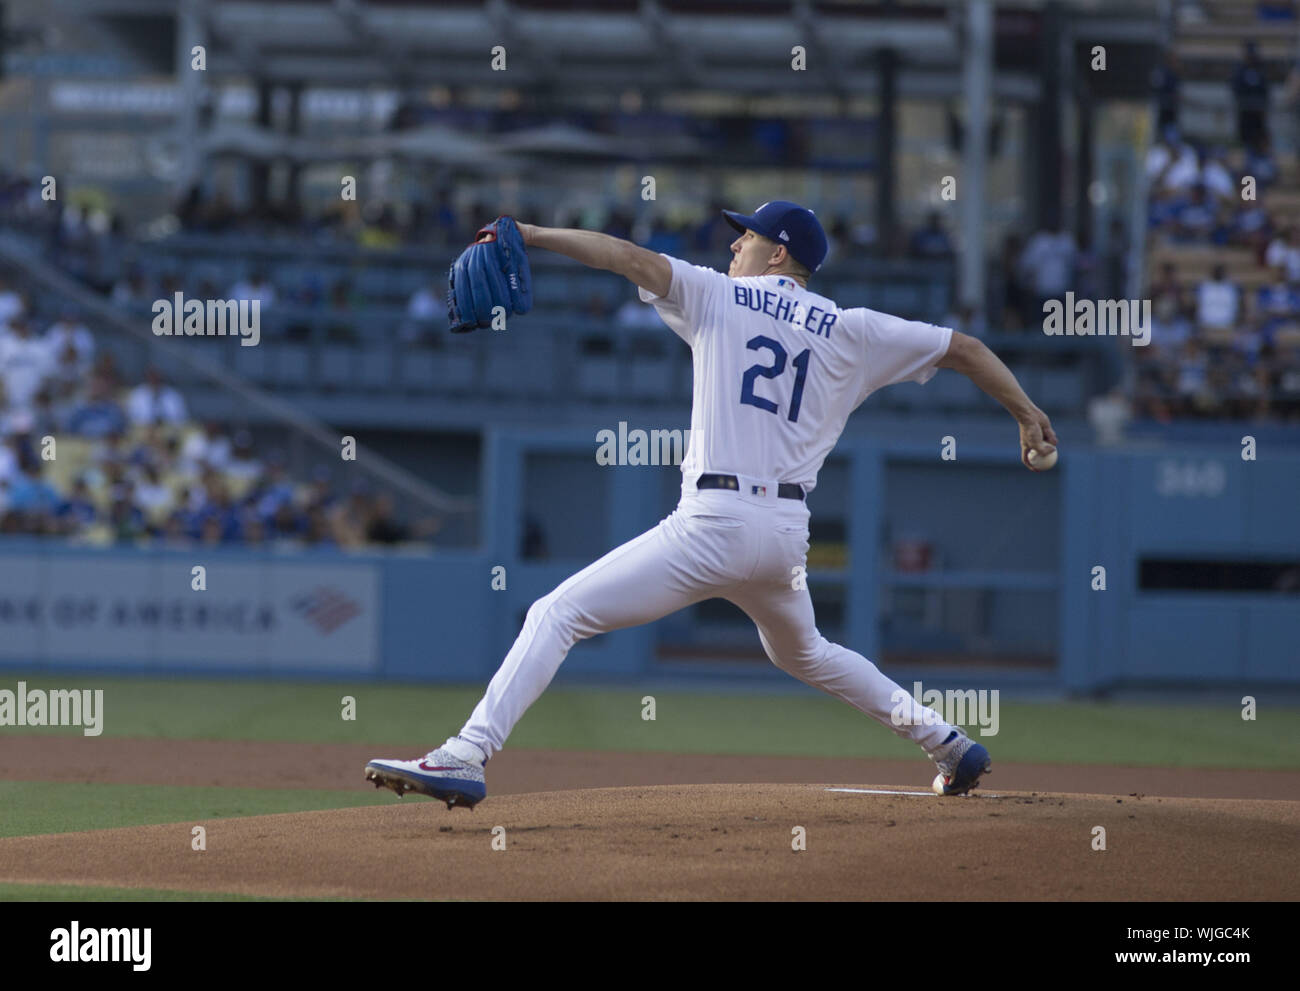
[(716, 544)]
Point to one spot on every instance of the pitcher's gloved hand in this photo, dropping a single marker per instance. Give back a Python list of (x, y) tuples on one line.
[(491, 272)]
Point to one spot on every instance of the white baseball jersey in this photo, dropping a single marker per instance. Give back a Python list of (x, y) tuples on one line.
[(778, 369)]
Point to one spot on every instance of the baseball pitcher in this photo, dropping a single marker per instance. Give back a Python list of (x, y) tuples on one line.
[(777, 371)]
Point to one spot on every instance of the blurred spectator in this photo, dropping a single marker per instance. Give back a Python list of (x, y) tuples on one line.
[(242, 464), (318, 494), (210, 531), (317, 532), (125, 519), (1215, 175), (153, 497), (1291, 99), (9, 458), (24, 363), (11, 304), (382, 527), (29, 493), (347, 520), (78, 510), (273, 490), (287, 523), (619, 224), (341, 326), (254, 287), (662, 238), (931, 241), (1165, 83), (1192, 383), (965, 320), (1249, 228), (154, 401), (1086, 274), (636, 315), (217, 506), (427, 304), (713, 235), (131, 289), (1108, 415), (253, 530), (1171, 165), (67, 332), (446, 223), (1287, 382), (382, 232), (1015, 295), (1278, 301), (1250, 89), (106, 368), (1048, 267), (1170, 326), (1283, 253), (1197, 218), (1261, 165), (426, 314), (209, 447), (98, 414), (1218, 301), (43, 419)]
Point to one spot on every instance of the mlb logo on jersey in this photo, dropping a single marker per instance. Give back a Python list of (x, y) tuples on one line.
[(758, 490)]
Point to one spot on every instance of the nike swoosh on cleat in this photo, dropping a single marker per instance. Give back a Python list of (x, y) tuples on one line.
[(426, 767)]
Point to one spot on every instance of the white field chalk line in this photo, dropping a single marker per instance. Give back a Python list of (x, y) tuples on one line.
[(881, 791)]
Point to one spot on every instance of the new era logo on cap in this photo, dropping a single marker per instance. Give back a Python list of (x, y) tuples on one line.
[(784, 236)]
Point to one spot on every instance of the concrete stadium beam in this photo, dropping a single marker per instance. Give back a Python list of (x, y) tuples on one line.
[(395, 56), (977, 78)]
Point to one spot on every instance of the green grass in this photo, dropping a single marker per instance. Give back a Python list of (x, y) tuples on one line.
[(418, 716), (32, 807), (79, 893)]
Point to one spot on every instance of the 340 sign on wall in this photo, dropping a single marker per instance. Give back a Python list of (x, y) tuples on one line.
[(1204, 479)]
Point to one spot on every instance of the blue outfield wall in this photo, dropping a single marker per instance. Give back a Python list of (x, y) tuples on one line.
[(408, 617), (1180, 504)]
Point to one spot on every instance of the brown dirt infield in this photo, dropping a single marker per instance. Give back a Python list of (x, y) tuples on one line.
[(669, 830)]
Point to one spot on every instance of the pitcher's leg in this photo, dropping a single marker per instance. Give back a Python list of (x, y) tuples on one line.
[(788, 631), (648, 577)]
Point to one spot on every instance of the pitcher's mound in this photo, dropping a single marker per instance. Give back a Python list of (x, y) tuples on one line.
[(744, 841)]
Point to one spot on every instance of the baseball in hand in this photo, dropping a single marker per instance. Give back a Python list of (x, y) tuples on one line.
[(1041, 462), (937, 784)]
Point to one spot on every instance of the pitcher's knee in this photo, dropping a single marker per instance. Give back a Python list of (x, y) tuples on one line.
[(556, 614), (803, 657)]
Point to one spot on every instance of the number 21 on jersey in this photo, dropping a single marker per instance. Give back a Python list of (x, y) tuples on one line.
[(772, 371)]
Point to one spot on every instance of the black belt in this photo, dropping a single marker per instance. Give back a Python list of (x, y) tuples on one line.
[(786, 490)]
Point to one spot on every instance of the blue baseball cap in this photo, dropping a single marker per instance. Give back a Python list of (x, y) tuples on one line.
[(789, 224)]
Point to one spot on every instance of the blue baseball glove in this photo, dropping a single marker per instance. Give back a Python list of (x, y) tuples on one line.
[(491, 272)]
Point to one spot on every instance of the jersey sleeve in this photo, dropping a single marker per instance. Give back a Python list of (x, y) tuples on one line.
[(691, 295), (898, 350)]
